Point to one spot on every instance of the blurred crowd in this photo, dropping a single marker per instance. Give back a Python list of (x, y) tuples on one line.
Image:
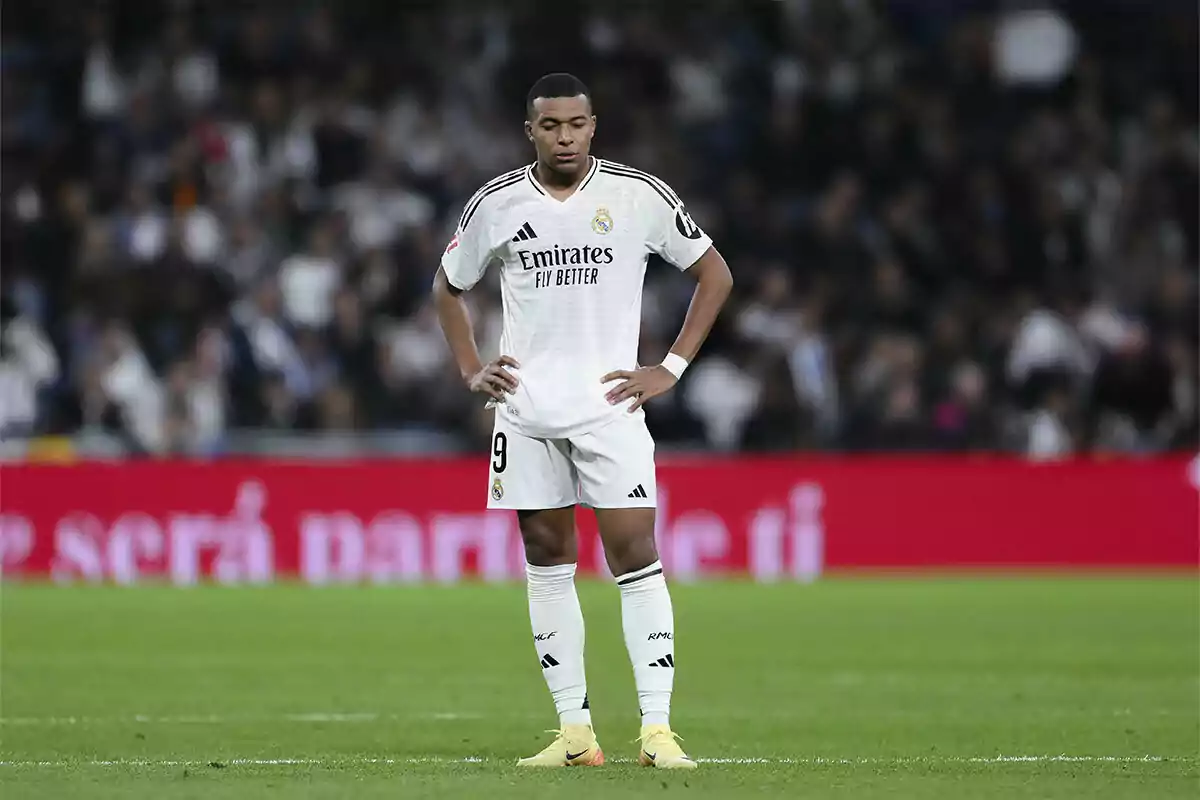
[(965, 226)]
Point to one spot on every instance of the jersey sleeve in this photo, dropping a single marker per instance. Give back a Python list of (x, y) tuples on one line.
[(469, 251), (674, 235)]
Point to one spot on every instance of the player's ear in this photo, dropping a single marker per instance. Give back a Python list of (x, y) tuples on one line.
[(529, 130)]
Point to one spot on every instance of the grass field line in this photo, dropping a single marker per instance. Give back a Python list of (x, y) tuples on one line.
[(813, 761), (368, 717)]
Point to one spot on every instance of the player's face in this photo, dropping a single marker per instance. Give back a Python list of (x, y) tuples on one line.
[(561, 129)]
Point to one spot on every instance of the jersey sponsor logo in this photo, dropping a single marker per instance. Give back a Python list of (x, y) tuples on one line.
[(602, 223), (564, 257), (566, 276), (685, 224), (565, 266)]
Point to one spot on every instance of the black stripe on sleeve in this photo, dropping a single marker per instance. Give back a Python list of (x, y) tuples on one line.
[(657, 181), (474, 206), (506, 176), (645, 180)]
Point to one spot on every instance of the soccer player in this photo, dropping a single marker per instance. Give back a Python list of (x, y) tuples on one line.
[(571, 234)]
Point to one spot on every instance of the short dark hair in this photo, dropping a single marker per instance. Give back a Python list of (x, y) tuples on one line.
[(556, 84)]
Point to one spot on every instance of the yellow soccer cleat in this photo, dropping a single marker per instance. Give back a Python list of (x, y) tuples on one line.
[(575, 746), (660, 749)]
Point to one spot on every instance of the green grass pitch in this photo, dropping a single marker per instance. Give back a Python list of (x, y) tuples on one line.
[(993, 687)]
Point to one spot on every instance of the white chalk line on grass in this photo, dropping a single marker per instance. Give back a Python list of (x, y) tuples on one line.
[(814, 761), (354, 717)]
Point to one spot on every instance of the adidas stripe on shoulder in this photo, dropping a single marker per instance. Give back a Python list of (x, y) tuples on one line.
[(657, 184), (525, 234), (492, 186)]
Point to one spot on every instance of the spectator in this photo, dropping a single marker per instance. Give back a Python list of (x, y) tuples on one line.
[(1049, 436), (961, 421), (127, 385), (381, 209), (814, 374), (723, 394), (779, 423), (308, 281), (272, 347), (1131, 393), (28, 368), (1180, 426), (356, 352), (1047, 346)]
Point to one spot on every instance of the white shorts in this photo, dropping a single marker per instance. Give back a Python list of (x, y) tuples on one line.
[(610, 467)]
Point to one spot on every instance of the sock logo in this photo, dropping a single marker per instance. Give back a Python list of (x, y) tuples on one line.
[(663, 635), (666, 661), (541, 637), (549, 661)]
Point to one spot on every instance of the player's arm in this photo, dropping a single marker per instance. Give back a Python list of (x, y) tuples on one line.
[(463, 264), (681, 242), (714, 282)]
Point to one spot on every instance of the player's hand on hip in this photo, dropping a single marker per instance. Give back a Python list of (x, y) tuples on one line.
[(640, 384), (494, 380)]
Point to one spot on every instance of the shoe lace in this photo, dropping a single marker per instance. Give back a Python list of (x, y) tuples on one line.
[(558, 734), (672, 734)]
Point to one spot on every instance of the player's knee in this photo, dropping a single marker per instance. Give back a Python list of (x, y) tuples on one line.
[(549, 537), (631, 553), (547, 548), (628, 539)]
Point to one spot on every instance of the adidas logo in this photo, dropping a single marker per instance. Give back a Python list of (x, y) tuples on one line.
[(549, 661), (666, 661), (638, 492), (525, 234)]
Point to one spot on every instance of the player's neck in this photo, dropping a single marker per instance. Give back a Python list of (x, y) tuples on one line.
[(559, 183)]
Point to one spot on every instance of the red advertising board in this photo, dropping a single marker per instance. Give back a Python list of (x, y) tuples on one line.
[(770, 519)]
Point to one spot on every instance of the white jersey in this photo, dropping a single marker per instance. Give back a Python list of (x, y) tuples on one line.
[(571, 283)]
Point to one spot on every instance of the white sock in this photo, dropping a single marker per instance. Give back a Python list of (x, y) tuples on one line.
[(649, 623), (557, 622)]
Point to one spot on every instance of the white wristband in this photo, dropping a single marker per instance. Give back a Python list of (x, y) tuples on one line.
[(675, 365)]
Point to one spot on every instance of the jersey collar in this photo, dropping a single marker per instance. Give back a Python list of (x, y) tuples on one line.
[(591, 173)]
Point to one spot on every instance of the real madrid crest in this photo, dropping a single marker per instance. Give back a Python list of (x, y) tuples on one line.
[(497, 490), (602, 223)]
